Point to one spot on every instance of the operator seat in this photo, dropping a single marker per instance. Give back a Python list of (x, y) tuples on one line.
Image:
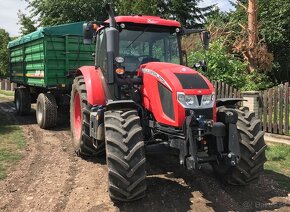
[(148, 60), (131, 63)]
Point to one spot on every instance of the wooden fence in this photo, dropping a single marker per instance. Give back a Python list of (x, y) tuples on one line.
[(224, 90), (5, 84), (275, 114)]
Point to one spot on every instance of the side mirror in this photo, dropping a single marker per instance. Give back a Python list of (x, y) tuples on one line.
[(205, 36), (88, 33)]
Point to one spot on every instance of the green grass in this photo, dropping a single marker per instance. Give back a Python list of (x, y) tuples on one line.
[(7, 93), (12, 143), (278, 156)]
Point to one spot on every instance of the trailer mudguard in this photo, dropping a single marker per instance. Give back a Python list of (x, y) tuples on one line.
[(94, 80)]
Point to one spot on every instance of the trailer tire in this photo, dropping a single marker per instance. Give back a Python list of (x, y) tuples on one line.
[(252, 148), (46, 110), (125, 155), (22, 101), (83, 144)]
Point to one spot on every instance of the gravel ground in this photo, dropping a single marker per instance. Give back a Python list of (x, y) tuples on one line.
[(51, 177)]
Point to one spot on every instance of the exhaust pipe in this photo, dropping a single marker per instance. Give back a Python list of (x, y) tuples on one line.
[(112, 34), (110, 12)]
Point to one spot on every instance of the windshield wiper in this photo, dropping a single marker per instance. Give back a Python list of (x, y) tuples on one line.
[(138, 36)]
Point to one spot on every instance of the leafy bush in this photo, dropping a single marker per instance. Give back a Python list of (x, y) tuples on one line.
[(4, 55), (228, 68)]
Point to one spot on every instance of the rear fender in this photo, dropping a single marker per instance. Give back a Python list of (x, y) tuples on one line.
[(121, 104), (95, 84)]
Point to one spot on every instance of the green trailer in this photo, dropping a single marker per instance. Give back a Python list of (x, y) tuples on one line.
[(41, 64)]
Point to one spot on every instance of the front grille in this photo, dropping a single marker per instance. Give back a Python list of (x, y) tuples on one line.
[(166, 100), (206, 112), (192, 81)]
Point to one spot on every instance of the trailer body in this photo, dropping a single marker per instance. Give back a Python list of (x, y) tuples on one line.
[(47, 56)]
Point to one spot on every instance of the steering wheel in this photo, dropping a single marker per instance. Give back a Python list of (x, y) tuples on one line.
[(140, 57)]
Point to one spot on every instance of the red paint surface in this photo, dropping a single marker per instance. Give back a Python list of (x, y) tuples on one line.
[(151, 99), (93, 78), (142, 19), (77, 116)]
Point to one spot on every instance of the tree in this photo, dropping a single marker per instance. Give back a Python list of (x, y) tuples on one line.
[(188, 13), (275, 28), (185, 11), (141, 7), (53, 12), (225, 58), (4, 54), (27, 24)]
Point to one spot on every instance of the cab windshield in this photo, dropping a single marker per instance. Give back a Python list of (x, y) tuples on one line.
[(148, 45)]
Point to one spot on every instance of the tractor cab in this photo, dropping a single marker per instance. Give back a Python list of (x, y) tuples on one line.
[(125, 43)]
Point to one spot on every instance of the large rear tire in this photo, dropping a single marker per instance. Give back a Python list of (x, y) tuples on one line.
[(252, 147), (22, 101), (125, 155), (46, 110), (84, 145)]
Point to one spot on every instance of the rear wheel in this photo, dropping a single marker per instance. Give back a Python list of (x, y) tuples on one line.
[(80, 121), (252, 147), (125, 155), (22, 101), (46, 110)]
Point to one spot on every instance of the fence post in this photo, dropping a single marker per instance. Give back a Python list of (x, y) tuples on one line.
[(8, 85), (2, 84), (253, 102)]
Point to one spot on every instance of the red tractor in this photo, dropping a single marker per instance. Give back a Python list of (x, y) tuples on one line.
[(140, 94)]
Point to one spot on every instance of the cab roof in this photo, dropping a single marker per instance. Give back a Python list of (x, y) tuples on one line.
[(142, 19)]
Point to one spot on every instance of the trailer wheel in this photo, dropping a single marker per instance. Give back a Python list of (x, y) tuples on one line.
[(46, 110), (22, 101), (84, 145), (252, 147), (125, 155)]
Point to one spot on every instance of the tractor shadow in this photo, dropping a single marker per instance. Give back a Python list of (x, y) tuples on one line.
[(173, 188), (7, 107)]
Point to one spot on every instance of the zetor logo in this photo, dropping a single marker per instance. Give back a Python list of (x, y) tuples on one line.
[(150, 21), (156, 75)]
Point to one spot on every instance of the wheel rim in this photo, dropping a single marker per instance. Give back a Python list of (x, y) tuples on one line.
[(39, 112), (77, 116)]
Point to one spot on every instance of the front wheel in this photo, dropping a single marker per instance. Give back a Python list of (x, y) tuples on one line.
[(83, 143), (125, 155), (252, 147)]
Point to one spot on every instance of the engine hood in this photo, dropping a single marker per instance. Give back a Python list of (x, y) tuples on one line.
[(161, 84), (177, 78)]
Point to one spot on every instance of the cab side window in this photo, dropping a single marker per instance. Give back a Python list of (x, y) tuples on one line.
[(101, 51), (159, 50)]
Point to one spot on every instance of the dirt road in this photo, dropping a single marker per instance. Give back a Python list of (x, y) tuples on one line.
[(51, 177)]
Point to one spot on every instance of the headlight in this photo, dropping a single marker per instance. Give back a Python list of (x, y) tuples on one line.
[(207, 100), (191, 101), (187, 101)]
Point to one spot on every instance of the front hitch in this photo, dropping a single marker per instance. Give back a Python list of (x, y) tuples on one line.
[(230, 117), (191, 161)]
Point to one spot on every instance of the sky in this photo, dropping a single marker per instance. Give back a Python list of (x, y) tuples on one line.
[(9, 10)]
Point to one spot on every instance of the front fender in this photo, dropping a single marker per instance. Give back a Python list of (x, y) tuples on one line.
[(94, 84), (228, 101)]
